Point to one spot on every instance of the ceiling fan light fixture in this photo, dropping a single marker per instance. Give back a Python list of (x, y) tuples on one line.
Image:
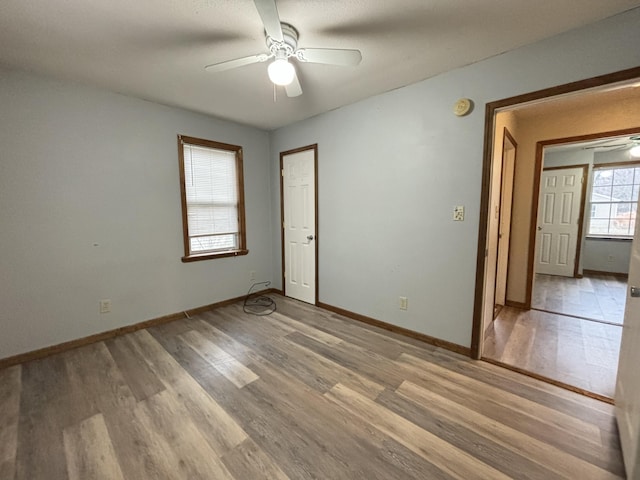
[(635, 151), (281, 72)]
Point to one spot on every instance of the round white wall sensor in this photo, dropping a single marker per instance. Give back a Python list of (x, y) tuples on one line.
[(462, 107)]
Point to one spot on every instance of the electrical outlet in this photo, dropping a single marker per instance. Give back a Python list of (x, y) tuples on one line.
[(252, 276), (458, 213), (105, 306), (403, 303)]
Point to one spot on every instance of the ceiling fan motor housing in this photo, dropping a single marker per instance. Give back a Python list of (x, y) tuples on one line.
[(289, 41)]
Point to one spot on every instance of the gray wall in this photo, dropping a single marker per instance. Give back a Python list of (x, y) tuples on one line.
[(392, 167), (606, 255), (81, 167), (568, 158)]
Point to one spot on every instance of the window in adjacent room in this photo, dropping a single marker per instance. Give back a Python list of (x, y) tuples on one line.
[(212, 199), (614, 200)]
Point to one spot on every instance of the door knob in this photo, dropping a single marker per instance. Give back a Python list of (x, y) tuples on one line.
[(634, 291), (539, 228), (309, 237)]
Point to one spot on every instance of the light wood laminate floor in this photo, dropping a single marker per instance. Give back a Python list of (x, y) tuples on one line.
[(574, 351), (300, 394), (595, 296)]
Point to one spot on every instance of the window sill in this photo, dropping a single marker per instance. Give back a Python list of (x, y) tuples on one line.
[(211, 256), (615, 239)]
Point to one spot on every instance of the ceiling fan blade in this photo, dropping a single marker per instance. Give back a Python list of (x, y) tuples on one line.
[(604, 145), (294, 89), (238, 62), (329, 56), (269, 14)]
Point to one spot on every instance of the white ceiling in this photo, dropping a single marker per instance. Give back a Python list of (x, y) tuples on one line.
[(156, 49)]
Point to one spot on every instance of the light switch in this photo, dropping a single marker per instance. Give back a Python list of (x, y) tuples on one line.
[(458, 213)]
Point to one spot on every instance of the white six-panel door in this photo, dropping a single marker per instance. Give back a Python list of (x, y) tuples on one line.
[(627, 398), (558, 217), (299, 224)]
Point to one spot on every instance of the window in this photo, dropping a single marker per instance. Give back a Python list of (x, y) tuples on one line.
[(212, 199), (614, 200)]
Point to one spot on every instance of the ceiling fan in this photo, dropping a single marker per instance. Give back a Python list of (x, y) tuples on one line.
[(612, 144), (282, 42)]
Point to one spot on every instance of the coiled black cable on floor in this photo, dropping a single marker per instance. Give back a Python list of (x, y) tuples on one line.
[(257, 303)]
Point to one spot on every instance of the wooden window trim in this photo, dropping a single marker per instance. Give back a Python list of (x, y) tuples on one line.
[(242, 250), (614, 165), (609, 238)]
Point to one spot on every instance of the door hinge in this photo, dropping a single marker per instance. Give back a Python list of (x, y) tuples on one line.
[(282, 172), (284, 274), (283, 225)]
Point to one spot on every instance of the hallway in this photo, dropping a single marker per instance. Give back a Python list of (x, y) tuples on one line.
[(551, 341), (573, 351)]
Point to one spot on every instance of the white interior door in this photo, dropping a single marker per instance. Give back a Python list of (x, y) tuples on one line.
[(558, 218), (627, 398), (504, 227), (299, 224)]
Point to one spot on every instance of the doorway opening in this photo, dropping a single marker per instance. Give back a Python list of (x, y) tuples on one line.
[(587, 204), (537, 122), (505, 209), (594, 287)]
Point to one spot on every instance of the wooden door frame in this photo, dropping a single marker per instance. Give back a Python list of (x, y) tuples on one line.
[(535, 207), (489, 121), (539, 168), (506, 136), (313, 147)]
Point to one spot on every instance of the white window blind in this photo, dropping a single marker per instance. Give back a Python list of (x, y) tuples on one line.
[(211, 189)]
